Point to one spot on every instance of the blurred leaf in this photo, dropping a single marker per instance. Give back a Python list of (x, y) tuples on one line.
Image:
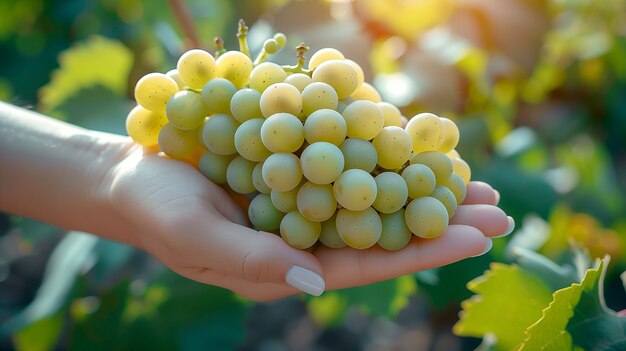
[(223, 330), (110, 257), (502, 307), (553, 275), (39, 336)]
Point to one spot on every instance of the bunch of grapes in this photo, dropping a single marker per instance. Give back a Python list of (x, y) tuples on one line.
[(322, 158)]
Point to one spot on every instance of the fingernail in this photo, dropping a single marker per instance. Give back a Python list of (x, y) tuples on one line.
[(509, 229), (305, 280), (497, 197), (487, 248)]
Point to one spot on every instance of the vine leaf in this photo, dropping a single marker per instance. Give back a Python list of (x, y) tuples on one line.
[(508, 300)]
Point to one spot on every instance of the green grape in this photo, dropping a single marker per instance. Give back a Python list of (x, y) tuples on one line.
[(456, 184), (281, 39), (266, 74), (450, 135), (154, 90), (196, 67), (426, 217), (299, 80), (324, 55), (391, 192), (322, 162), (298, 231), (325, 125), (271, 46), (437, 161), (395, 234), (329, 235), (338, 74), (391, 114), (359, 154), (453, 154), (355, 190), (281, 97), (282, 132), (216, 95), (393, 146), (285, 201), (282, 172), (218, 134), (316, 202), (461, 168), (425, 130), (185, 110), (257, 179), (214, 166), (173, 73), (245, 105), (420, 180), (263, 215), (359, 72), (239, 175), (447, 198), (364, 119), (359, 229), (176, 143), (317, 96), (234, 66), (366, 92), (248, 140), (143, 125)]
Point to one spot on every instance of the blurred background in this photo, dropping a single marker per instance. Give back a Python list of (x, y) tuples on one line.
[(537, 87)]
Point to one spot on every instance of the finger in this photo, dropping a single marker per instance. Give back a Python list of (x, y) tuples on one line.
[(490, 220), (480, 193), (348, 267), (225, 205)]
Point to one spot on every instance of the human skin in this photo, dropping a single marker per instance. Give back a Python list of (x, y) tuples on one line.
[(107, 185)]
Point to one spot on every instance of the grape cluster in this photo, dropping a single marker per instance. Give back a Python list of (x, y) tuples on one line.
[(322, 157)]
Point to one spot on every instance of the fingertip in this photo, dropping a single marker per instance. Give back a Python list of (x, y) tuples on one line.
[(480, 193)]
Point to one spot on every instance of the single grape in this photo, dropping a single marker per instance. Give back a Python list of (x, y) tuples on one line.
[(450, 135), (263, 215), (282, 132), (322, 162), (218, 134), (393, 146), (456, 184), (338, 74), (317, 96), (257, 179), (234, 66), (185, 110), (239, 175), (447, 198), (366, 92), (359, 229), (391, 192), (329, 235), (245, 105), (364, 119), (281, 97), (298, 231), (425, 130), (359, 154), (143, 125), (426, 217), (282, 172), (316, 202), (395, 234), (154, 90), (216, 95), (248, 140), (173, 73), (437, 161), (214, 166), (196, 67), (299, 80), (325, 125), (355, 190), (266, 74), (176, 143), (324, 55), (359, 72), (420, 180), (461, 168), (285, 201), (281, 39), (271, 46), (391, 114)]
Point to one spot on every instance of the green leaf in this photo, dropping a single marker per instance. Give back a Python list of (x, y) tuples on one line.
[(509, 299), (40, 336)]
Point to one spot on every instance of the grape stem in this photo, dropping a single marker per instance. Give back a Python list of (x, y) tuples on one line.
[(299, 67), (261, 57), (219, 44), (242, 36)]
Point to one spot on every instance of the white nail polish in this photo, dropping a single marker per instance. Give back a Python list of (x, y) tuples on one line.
[(509, 229), (487, 248), (305, 280)]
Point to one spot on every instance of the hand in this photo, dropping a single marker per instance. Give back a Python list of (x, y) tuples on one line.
[(195, 228)]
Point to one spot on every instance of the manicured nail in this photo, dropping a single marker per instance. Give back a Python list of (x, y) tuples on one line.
[(509, 230), (487, 248), (497, 197), (305, 280)]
